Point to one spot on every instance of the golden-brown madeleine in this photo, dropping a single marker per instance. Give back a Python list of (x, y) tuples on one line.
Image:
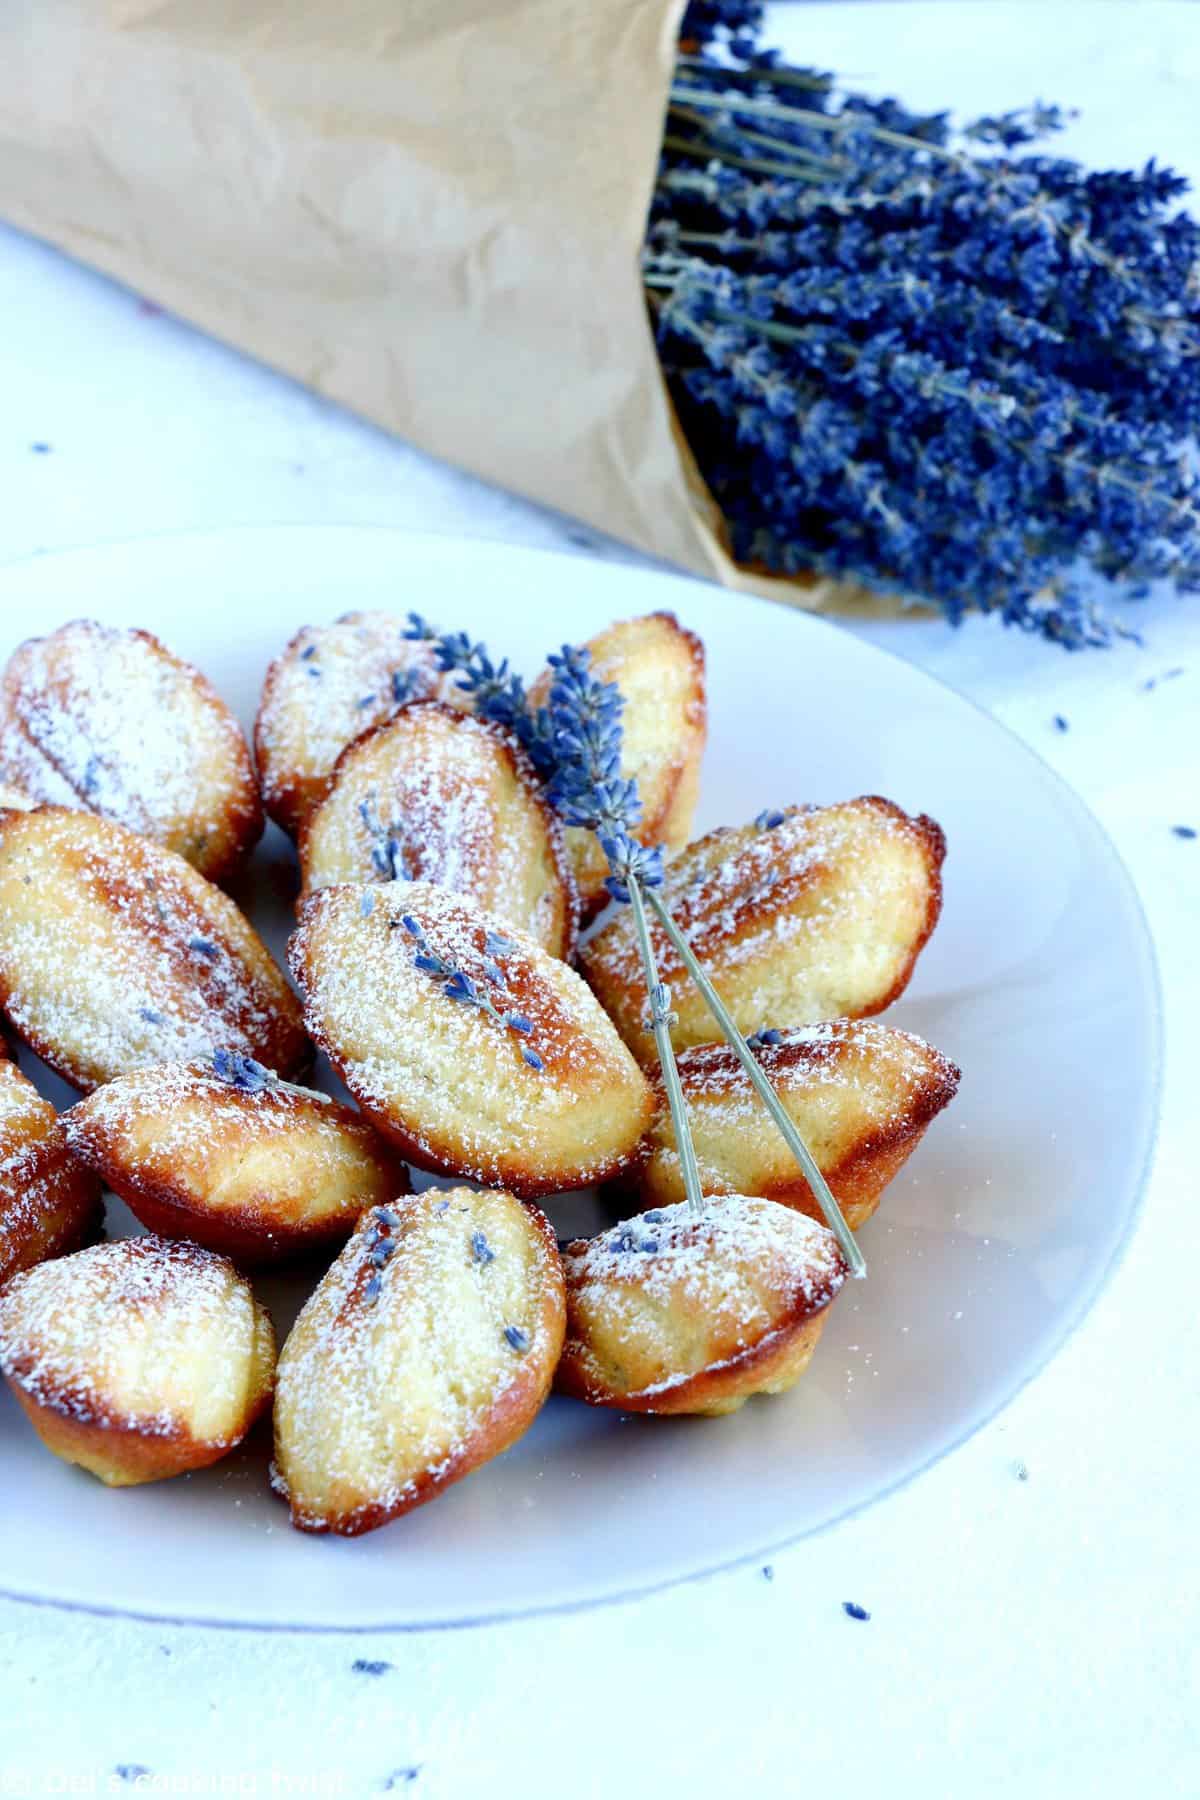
[(659, 668), (675, 1313), (439, 795), (115, 953), (139, 1359), (111, 721), (332, 683), (816, 912), (238, 1161), (520, 1082), (859, 1093), (428, 1349), (48, 1202)]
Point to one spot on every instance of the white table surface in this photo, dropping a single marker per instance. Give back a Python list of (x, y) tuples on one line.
[(1031, 1636)]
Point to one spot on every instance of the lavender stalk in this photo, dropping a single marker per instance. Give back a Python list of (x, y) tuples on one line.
[(661, 1020), (763, 1088)]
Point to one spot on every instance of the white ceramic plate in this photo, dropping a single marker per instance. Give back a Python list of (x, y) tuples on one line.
[(986, 1251)]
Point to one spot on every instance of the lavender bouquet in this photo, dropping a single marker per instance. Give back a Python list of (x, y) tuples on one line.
[(947, 365)]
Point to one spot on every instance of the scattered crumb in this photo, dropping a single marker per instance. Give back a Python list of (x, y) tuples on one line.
[(362, 1665), (853, 1611)]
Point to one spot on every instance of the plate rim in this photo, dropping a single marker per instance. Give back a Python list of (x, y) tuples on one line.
[(1066, 1327)]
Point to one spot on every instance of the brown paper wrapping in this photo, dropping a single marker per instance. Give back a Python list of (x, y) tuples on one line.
[(430, 212)]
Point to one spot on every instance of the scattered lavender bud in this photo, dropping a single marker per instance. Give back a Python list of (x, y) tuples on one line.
[(373, 1289), (1184, 831), (307, 654), (1061, 724), (151, 1015), (768, 1572), (203, 947), (365, 1666), (481, 1250), (535, 1061), (853, 1611), (769, 819), (516, 1338), (242, 1072)]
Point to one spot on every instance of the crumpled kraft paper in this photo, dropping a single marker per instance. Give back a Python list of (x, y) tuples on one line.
[(429, 210)]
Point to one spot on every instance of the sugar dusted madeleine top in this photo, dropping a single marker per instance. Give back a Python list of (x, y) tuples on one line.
[(810, 913), (438, 795), (659, 668), (238, 1161), (112, 721), (671, 1313), (115, 953), (138, 1359), (428, 1348), (48, 1201), (859, 1092), (332, 683), (533, 1091)]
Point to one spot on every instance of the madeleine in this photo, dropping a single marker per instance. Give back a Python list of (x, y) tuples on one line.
[(226, 1154), (659, 668), (115, 953), (675, 1313), (860, 1094), (438, 795), (816, 912), (332, 683), (48, 1201), (110, 721), (464, 1042), (137, 1360), (427, 1350)]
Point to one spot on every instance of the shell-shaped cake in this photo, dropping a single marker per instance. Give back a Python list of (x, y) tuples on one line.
[(111, 721), (48, 1202), (226, 1154), (670, 1312), (428, 1349), (439, 795), (137, 1360), (815, 912), (115, 953), (330, 684), (464, 1042), (659, 667), (859, 1092)]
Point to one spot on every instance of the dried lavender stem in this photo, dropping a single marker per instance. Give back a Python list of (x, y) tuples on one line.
[(660, 1021), (763, 1088), (812, 121), (758, 165)]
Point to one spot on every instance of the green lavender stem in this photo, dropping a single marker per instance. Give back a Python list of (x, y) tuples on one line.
[(762, 1087), (660, 1019)]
